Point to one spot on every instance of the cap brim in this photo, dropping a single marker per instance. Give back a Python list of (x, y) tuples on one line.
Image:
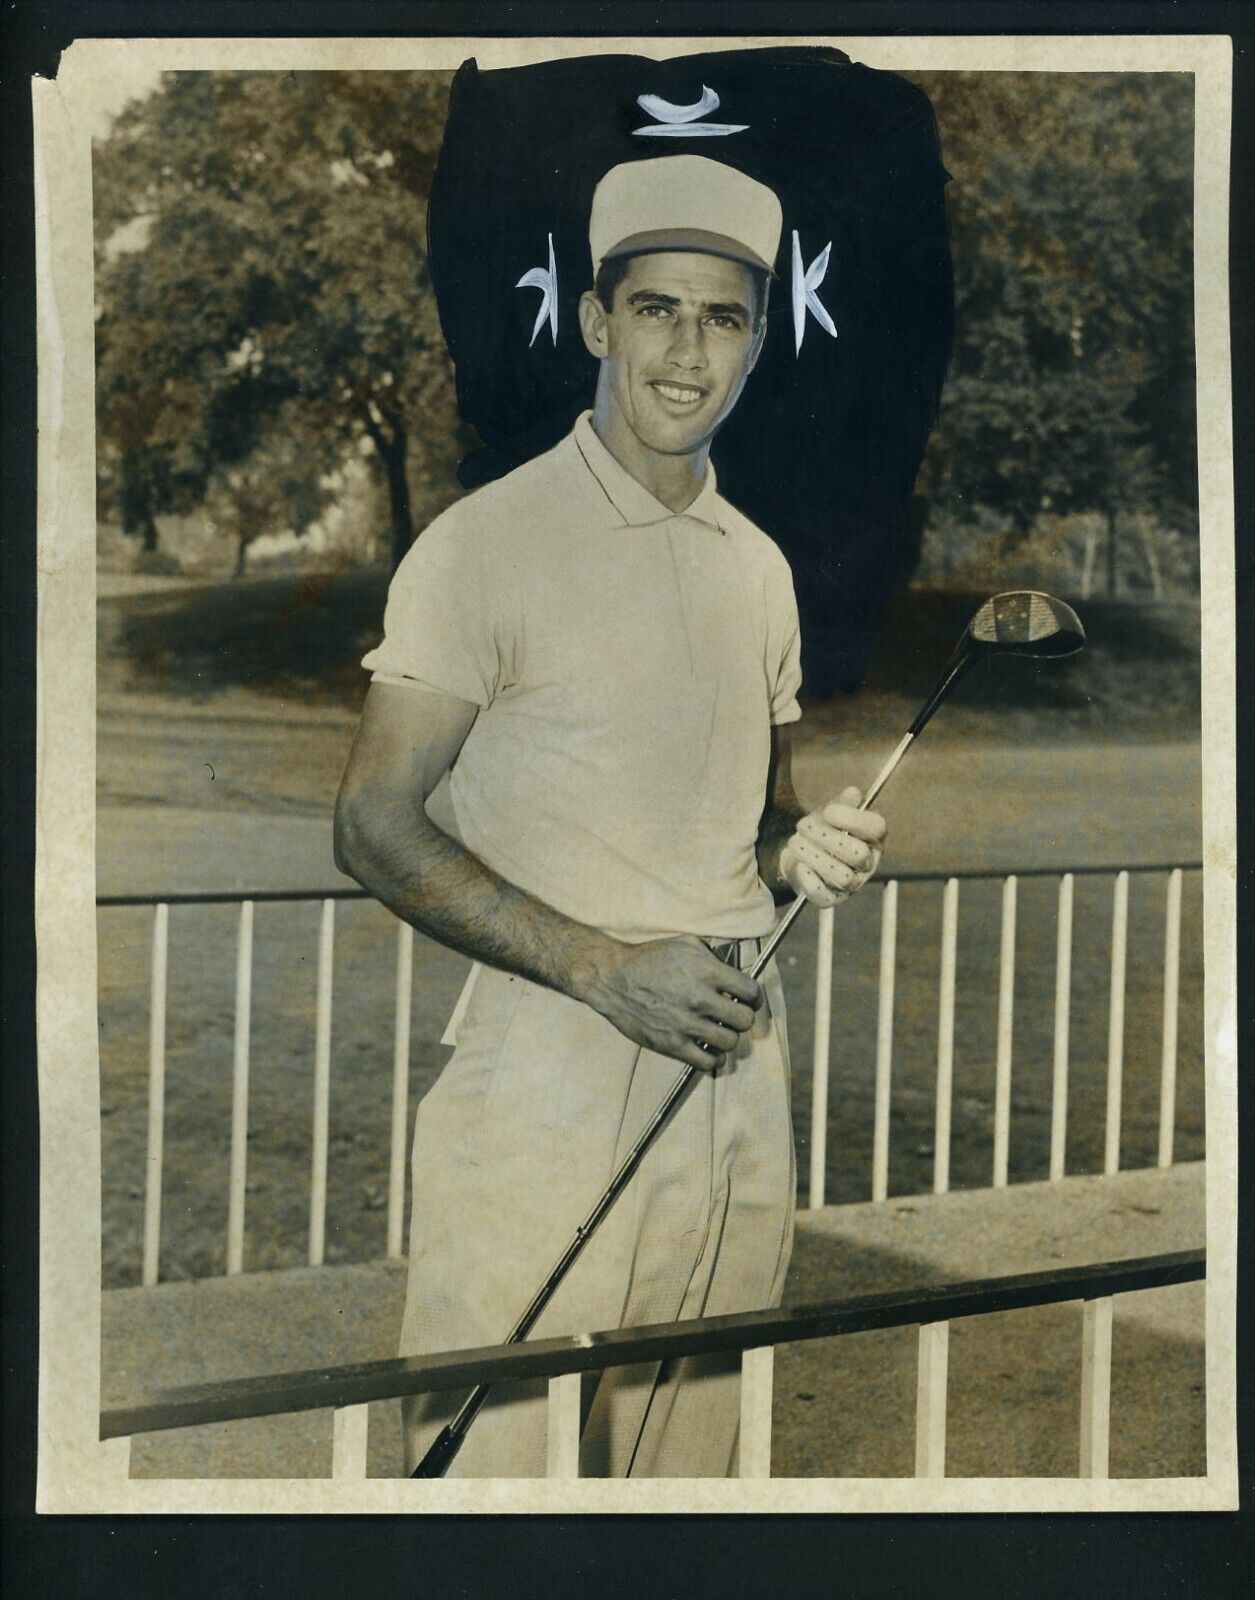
[(692, 239)]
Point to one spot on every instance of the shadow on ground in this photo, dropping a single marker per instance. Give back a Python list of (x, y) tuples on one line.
[(308, 633), (922, 626), (275, 635), (843, 1407)]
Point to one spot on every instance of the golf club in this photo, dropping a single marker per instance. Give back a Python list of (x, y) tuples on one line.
[(1022, 622)]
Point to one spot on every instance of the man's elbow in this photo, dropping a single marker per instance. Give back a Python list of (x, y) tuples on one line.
[(350, 837)]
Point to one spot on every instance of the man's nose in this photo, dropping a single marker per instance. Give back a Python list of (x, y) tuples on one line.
[(688, 348)]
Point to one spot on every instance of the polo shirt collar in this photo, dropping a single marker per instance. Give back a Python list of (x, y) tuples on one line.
[(632, 500)]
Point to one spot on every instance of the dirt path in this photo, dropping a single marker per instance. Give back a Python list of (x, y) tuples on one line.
[(954, 809)]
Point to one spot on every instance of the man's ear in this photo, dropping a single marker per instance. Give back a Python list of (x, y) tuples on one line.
[(593, 325), (756, 349)]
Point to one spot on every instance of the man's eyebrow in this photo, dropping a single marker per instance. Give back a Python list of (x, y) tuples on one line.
[(724, 308)]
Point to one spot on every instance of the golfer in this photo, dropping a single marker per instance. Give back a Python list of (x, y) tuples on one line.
[(573, 766)]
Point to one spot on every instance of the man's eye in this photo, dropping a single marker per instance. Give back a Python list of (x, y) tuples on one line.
[(649, 311), (719, 320)]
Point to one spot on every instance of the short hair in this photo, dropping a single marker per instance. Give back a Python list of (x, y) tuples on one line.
[(610, 274)]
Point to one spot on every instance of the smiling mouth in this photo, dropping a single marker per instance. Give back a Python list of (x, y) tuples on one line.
[(681, 394)]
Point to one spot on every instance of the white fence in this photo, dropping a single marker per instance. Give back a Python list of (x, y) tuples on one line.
[(822, 1049), (1005, 1030)]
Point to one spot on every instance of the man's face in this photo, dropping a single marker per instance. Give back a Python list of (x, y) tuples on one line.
[(676, 346)]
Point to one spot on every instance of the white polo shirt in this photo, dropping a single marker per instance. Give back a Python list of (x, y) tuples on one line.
[(628, 663)]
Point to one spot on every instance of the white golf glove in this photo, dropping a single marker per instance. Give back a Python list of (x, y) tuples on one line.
[(834, 850)]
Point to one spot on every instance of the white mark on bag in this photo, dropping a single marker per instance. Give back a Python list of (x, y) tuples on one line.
[(684, 122), (546, 280), (806, 282)]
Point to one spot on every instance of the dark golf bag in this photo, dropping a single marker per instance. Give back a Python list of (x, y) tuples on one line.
[(823, 448)]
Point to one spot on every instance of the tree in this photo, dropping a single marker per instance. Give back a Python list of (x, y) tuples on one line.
[(152, 411), (277, 488), (279, 281), (1071, 385)]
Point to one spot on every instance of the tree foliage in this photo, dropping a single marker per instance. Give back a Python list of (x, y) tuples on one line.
[(279, 291), (1071, 386)]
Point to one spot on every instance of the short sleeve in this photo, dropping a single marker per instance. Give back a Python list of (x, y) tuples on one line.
[(442, 624), (784, 645)]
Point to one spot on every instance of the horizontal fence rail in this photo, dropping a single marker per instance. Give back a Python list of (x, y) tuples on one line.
[(349, 1389), (827, 924), (234, 897)]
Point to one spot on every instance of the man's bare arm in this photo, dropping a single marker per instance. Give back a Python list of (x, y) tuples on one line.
[(781, 815), (671, 995), (407, 740)]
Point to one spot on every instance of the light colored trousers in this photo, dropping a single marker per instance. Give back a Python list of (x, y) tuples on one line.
[(539, 1104)]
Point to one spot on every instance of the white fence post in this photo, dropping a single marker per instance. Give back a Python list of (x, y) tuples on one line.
[(1063, 1018), (1115, 1022), (945, 1036), (820, 1056), (400, 1086), (1095, 1387), (322, 1088), (884, 1041), (156, 1098), (930, 1400), (757, 1381), (1006, 1017), (1171, 1002), (562, 1448), (349, 1430), (934, 1338), (239, 1091)]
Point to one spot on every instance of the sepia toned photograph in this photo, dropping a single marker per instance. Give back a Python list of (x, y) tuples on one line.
[(648, 762)]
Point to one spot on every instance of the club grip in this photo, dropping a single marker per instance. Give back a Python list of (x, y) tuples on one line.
[(439, 1457)]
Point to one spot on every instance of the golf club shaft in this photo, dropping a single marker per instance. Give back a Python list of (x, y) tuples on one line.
[(449, 1441)]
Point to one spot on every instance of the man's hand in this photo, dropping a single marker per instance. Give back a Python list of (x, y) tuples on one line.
[(833, 851), (675, 997)]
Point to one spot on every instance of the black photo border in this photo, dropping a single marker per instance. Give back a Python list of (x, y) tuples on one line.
[(967, 1556)]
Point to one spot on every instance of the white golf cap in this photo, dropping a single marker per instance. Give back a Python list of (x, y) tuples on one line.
[(684, 203)]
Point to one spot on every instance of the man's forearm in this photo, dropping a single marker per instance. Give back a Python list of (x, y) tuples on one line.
[(432, 882), (774, 833)]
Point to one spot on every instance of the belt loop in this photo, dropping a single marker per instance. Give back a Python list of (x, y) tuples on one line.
[(736, 952)]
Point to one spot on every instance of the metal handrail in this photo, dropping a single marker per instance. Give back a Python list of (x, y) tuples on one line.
[(319, 1388), (231, 897), (264, 896)]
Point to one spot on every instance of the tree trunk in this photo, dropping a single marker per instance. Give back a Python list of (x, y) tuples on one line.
[(135, 502), (1111, 555), (1087, 568), (1152, 560), (399, 497), (392, 447)]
